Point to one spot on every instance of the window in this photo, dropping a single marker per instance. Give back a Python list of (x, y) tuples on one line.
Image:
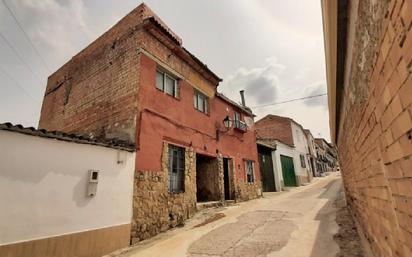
[(302, 161), (239, 124), (250, 174), (236, 116), (201, 102), (167, 84), (176, 169)]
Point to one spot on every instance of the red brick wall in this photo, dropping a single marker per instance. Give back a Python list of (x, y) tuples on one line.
[(96, 91), (375, 137), (275, 127)]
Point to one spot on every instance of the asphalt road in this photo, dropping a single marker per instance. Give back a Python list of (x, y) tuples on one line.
[(297, 223)]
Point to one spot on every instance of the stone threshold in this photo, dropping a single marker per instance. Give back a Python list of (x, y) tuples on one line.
[(213, 204)]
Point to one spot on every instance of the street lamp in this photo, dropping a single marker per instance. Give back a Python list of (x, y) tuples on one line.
[(227, 122)]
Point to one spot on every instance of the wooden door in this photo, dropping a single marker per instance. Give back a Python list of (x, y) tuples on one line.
[(266, 170)]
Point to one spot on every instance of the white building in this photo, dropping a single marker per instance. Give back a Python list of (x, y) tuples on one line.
[(68, 192), (287, 138)]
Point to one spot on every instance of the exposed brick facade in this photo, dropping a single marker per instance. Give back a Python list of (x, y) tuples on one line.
[(374, 135), (275, 127)]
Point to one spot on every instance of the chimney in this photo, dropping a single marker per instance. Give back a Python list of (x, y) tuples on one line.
[(242, 96)]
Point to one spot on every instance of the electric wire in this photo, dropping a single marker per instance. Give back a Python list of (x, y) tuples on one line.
[(288, 101), (19, 56), (7, 75), (26, 35)]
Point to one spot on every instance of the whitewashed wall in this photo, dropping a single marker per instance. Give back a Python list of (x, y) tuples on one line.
[(43, 185), (285, 150), (301, 147)]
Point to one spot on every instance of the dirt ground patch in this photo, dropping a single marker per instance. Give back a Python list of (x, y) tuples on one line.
[(347, 237)]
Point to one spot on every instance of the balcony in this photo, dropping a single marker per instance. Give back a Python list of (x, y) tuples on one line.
[(240, 125)]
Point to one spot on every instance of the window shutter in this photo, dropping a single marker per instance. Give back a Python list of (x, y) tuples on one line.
[(160, 80), (206, 105), (177, 89)]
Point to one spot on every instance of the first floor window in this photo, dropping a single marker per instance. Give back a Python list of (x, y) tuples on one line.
[(176, 169), (250, 176), (302, 161), (167, 83), (201, 102)]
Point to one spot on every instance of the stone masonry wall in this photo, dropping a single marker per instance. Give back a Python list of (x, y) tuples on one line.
[(243, 190), (375, 133), (155, 209), (248, 191)]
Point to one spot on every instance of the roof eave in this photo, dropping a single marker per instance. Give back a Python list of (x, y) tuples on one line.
[(334, 16)]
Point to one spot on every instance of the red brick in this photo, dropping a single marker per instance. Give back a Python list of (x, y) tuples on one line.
[(406, 166), (403, 71), (394, 83), (406, 144), (395, 152), (394, 170), (405, 188), (404, 204), (405, 93), (387, 118), (396, 106), (406, 14)]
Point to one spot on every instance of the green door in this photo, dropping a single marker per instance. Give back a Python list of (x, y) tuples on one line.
[(288, 171)]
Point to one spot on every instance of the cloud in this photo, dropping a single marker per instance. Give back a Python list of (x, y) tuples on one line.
[(59, 28), (261, 84), (316, 89)]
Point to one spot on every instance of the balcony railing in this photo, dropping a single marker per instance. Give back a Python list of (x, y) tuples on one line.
[(240, 125)]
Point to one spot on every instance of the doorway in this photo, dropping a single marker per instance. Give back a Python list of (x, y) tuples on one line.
[(313, 167), (288, 171), (266, 169), (207, 178), (227, 178)]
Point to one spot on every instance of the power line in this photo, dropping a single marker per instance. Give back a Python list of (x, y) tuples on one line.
[(17, 84), (288, 101), (25, 34), (19, 56)]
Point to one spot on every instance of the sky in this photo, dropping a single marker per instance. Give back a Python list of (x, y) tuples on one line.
[(272, 49)]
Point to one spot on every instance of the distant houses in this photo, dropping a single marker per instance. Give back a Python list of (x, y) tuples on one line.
[(296, 157)]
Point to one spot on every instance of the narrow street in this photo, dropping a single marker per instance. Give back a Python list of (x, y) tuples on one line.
[(300, 222)]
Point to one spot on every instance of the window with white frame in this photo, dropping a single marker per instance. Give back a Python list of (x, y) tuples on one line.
[(302, 161), (167, 84), (250, 172), (200, 101), (176, 169)]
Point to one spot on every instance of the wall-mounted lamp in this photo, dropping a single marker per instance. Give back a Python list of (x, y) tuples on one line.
[(227, 122)]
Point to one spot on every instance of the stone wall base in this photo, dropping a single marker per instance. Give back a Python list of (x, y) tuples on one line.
[(155, 209), (248, 191)]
